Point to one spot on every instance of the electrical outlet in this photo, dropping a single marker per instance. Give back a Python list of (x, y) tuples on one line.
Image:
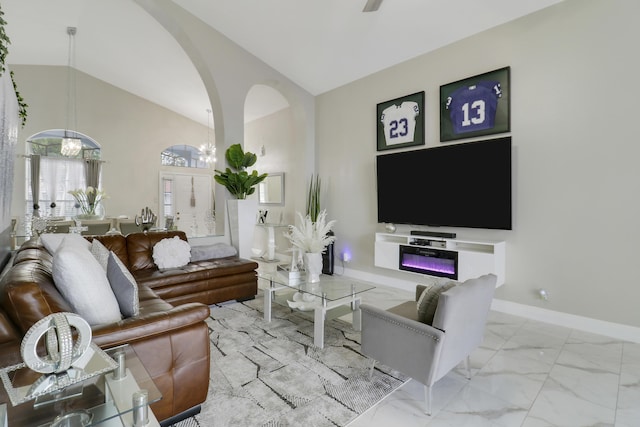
[(543, 294), (346, 257)]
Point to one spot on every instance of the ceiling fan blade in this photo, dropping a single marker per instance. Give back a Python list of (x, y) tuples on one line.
[(372, 5)]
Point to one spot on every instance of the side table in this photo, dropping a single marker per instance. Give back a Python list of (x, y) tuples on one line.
[(107, 397)]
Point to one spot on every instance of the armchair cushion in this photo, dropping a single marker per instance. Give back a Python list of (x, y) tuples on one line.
[(428, 301)]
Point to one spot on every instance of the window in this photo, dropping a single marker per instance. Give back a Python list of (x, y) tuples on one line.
[(48, 143), (185, 156), (58, 174), (167, 197)]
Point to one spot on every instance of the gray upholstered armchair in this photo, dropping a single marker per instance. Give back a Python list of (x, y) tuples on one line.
[(424, 352)]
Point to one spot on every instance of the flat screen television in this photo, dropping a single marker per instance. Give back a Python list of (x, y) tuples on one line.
[(456, 185)]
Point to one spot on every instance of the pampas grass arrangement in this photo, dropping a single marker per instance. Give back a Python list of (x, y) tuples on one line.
[(310, 236)]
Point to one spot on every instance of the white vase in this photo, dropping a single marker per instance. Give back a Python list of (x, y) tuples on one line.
[(97, 213), (313, 265)]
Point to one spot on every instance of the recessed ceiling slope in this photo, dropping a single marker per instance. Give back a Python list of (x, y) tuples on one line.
[(325, 44), (320, 45)]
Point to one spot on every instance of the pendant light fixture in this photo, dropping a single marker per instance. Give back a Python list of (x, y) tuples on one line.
[(208, 149), (71, 145)]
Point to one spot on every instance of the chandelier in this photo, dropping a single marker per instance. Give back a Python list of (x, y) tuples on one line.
[(71, 145), (208, 149)]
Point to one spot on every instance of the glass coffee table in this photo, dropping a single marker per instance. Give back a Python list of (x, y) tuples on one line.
[(105, 399), (332, 297)]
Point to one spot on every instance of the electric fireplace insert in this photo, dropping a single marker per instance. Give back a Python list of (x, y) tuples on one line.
[(427, 260)]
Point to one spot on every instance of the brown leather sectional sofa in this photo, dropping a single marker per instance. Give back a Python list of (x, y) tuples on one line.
[(169, 335)]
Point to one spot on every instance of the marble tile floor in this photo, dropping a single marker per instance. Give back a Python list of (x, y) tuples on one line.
[(526, 373)]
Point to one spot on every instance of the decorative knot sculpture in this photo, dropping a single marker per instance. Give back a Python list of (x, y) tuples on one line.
[(61, 351), (146, 220)]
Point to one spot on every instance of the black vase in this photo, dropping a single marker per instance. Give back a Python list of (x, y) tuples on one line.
[(327, 257)]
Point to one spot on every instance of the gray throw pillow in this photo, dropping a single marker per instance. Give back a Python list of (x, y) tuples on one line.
[(124, 286), (217, 250), (428, 301)]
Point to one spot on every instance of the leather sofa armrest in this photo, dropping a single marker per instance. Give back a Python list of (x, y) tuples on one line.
[(8, 332), (10, 342), (147, 326)]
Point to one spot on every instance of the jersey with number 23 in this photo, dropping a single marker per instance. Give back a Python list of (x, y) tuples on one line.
[(400, 122)]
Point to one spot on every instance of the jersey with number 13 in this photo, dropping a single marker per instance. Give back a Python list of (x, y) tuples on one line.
[(473, 108)]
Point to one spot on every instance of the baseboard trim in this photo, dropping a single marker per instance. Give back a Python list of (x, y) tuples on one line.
[(587, 324)]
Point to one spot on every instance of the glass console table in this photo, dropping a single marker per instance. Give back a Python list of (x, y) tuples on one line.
[(103, 399), (332, 297), (270, 253)]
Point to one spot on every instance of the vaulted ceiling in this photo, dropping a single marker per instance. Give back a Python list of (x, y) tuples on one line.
[(318, 44)]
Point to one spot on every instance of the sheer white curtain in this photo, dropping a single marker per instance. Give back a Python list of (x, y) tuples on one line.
[(49, 179), (57, 177)]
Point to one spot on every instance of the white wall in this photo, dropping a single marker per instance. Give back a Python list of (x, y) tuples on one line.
[(281, 154), (573, 109), (132, 133), (229, 72)]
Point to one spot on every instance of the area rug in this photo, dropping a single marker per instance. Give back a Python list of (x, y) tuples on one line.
[(271, 374)]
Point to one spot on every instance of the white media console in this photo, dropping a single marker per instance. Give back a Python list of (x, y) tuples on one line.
[(472, 258)]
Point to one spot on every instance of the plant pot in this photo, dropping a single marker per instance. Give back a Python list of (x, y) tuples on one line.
[(242, 222)]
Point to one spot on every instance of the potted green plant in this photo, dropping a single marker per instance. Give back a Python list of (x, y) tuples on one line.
[(313, 198), (313, 212), (240, 184), (235, 178)]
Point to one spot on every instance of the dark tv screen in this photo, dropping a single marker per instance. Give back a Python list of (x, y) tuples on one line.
[(458, 185)]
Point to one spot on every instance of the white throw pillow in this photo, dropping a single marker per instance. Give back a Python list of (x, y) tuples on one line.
[(124, 286), (82, 281), (52, 241), (171, 253), (100, 253)]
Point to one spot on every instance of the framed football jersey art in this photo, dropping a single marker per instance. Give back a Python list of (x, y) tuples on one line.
[(400, 122), (476, 106)]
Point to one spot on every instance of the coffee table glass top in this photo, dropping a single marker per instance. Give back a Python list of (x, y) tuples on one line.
[(95, 395), (331, 288)]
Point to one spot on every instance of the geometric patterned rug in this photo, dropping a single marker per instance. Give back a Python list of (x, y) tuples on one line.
[(270, 373)]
